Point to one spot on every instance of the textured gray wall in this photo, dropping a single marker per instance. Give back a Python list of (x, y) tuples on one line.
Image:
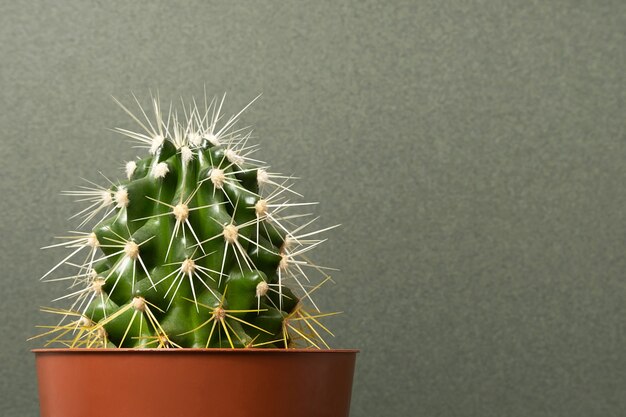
[(475, 153)]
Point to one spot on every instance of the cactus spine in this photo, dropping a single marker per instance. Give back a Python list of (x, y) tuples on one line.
[(197, 247)]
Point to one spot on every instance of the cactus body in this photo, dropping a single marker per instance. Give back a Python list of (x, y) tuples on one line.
[(194, 248)]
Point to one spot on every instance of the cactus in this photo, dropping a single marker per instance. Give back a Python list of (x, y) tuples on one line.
[(197, 247)]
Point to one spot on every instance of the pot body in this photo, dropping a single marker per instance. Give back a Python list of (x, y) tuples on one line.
[(194, 382)]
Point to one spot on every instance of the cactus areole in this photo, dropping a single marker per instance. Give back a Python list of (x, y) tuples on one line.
[(198, 245)]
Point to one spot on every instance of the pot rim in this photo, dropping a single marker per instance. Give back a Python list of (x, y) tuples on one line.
[(191, 350)]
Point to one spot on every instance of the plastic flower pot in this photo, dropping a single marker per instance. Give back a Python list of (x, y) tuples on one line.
[(195, 382)]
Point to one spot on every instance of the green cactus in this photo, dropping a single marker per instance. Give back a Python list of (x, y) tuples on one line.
[(197, 247)]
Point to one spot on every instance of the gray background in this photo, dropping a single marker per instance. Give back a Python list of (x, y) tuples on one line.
[(473, 151)]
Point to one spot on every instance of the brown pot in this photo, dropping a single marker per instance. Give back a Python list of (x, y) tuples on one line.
[(194, 382)]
